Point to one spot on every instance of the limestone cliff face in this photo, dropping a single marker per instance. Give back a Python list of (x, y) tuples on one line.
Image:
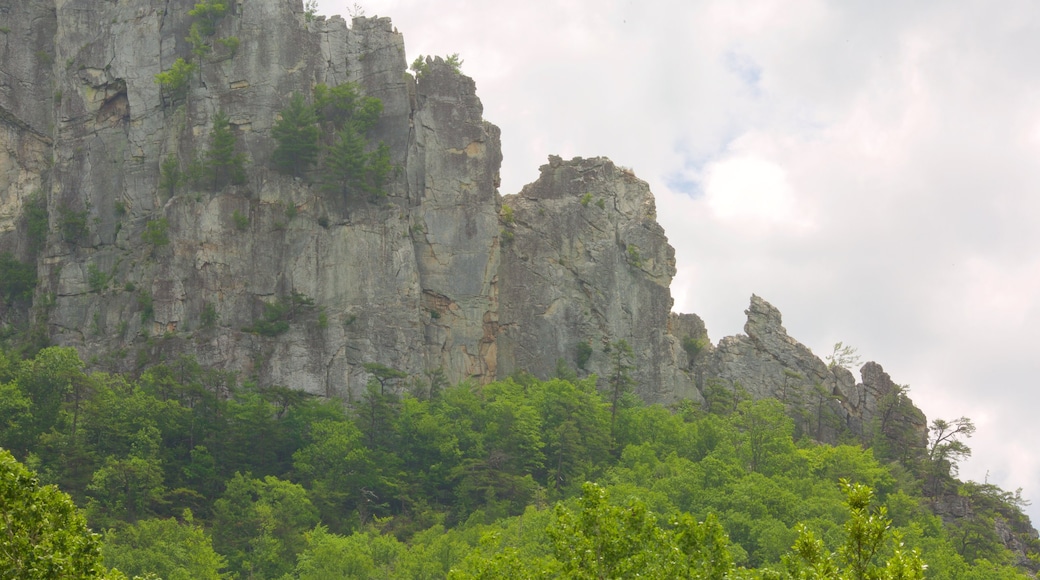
[(446, 274)]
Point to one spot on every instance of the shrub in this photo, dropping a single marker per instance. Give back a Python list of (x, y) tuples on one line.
[(241, 221), (633, 255), (231, 43), (224, 166), (36, 221), (209, 315), (17, 279), (507, 214), (585, 199), (174, 81), (96, 279), (155, 234), (73, 224), (144, 302), (170, 175), (693, 346), (297, 135), (584, 353)]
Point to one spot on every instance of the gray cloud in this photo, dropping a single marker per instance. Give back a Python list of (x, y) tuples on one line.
[(870, 168)]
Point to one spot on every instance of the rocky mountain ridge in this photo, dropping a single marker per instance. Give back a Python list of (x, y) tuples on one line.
[(445, 274)]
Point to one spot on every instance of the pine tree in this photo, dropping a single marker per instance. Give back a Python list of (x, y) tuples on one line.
[(297, 135), (223, 165)]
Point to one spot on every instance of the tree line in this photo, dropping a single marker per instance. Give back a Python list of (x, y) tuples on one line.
[(191, 472)]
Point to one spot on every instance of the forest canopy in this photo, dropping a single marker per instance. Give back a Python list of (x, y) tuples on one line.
[(191, 472)]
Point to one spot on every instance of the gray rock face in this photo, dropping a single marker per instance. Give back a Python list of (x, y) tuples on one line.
[(446, 274), (826, 401), (584, 261)]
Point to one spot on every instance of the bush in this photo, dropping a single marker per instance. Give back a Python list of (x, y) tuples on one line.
[(223, 165), (634, 257), (584, 353), (297, 135), (170, 175), (174, 81), (209, 315), (144, 301), (155, 234), (241, 221), (96, 279), (17, 279), (36, 221), (73, 225)]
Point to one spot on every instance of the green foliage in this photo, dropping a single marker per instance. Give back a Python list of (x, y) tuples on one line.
[(867, 535), (209, 13), (36, 221), (223, 166), (96, 279), (231, 43), (156, 235), (601, 203), (279, 313), (634, 257), (170, 175), (168, 548), (350, 171), (174, 82), (583, 352), (260, 525), (507, 215), (419, 66), (209, 315), (17, 279), (310, 10), (296, 132), (241, 221), (585, 199), (199, 41), (42, 534), (470, 481), (144, 302), (693, 346), (73, 225), (843, 356)]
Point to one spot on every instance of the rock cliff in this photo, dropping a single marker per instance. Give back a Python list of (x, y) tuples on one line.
[(446, 273)]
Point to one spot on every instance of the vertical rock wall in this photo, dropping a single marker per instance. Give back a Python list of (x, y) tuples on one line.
[(445, 274)]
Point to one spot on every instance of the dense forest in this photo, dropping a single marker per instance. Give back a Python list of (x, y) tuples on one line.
[(188, 472)]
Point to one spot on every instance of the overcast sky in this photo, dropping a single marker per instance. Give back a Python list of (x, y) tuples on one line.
[(869, 168)]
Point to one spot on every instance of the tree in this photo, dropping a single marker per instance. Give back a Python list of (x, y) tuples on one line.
[(171, 549), (128, 488), (620, 383), (42, 534), (297, 135), (175, 80), (867, 535), (945, 449), (17, 279), (155, 234), (223, 165), (259, 525), (843, 356)]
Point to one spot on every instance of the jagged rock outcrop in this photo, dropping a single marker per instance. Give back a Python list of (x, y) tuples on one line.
[(418, 282), (585, 261), (826, 400), (447, 274)]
